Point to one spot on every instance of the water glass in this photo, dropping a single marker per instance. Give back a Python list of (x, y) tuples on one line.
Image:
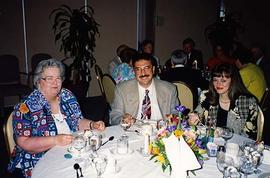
[(79, 143), (122, 145), (95, 141), (100, 162), (226, 133)]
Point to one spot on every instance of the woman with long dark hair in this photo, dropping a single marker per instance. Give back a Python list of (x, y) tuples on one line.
[(227, 103)]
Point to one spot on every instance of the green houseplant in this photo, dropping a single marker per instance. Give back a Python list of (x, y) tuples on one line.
[(76, 31)]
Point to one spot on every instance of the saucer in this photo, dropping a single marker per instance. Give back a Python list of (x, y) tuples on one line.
[(114, 152)]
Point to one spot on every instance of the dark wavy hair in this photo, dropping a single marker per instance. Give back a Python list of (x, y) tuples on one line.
[(236, 88)]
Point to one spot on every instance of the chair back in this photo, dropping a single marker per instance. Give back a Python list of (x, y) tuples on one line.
[(260, 124), (8, 134), (99, 75), (9, 70), (186, 95), (109, 86), (265, 101), (36, 58)]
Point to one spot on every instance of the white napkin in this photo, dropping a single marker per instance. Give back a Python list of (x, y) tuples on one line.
[(181, 156)]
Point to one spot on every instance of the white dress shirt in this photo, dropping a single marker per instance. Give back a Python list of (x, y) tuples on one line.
[(155, 111)]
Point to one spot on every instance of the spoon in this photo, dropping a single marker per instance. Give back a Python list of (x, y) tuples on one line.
[(76, 166), (110, 139)]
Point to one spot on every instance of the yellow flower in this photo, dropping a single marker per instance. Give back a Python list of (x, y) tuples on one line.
[(155, 150), (178, 133), (202, 151), (23, 108), (161, 158)]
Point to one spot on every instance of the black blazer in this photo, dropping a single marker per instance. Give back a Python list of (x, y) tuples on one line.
[(195, 55)]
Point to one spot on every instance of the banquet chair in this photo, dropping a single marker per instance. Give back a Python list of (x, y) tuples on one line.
[(108, 85), (35, 59), (186, 95), (265, 101), (260, 124), (10, 80), (8, 134), (99, 75)]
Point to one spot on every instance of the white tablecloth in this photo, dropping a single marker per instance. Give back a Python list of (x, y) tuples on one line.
[(54, 165)]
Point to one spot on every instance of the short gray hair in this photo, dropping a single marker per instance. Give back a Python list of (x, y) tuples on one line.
[(178, 57), (44, 64)]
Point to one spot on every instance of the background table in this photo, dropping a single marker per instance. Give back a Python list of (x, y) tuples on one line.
[(54, 165)]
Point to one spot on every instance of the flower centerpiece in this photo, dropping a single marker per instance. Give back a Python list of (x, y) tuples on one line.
[(178, 125)]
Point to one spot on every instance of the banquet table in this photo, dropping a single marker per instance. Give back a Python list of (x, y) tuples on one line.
[(133, 165)]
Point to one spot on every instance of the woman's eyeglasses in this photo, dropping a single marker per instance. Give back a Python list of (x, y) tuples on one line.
[(50, 79)]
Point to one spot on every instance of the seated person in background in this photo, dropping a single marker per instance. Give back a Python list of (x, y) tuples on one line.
[(227, 103), (147, 46), (258, 53), (194, 56), (46, 118), (124, 71), (116, 60), (144, 97), (221, 55), (187, 75), (252, 75)]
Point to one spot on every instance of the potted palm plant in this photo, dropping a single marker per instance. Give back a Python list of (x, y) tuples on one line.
[(76, 31)]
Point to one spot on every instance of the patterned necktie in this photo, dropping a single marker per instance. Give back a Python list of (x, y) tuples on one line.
[(146, 106)]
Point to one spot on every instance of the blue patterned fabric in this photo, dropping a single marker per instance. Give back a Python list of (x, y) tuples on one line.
[(32, 117), (122, 73)]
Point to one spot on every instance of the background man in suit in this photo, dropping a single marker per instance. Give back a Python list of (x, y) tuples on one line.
[(193, 55), (130, 95)]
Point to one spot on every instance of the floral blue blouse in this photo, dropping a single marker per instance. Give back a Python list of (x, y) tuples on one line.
[(122, 73), (33, 117)]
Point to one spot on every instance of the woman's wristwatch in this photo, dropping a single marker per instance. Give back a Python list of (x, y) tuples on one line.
[(91, 125)]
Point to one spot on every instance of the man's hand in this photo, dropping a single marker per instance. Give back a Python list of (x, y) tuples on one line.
[(127, 118), (99, 125)]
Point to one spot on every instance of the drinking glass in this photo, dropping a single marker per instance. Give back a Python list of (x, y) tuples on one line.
[(246, 166), (79, 143), (122, 145), (231, 172), (95, 141), (162, 124), (223, 162), (125, 125), (226, 133), (100, 162), (257, 159)]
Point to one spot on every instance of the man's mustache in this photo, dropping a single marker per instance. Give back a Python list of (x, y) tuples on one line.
[(143, 76)]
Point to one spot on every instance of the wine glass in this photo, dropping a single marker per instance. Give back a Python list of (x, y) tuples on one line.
[(231, 172), (100, 162), (257, 159), (226, 133), (162, 124), (246, 166), (79, 143), (223, 161), (125, 125)]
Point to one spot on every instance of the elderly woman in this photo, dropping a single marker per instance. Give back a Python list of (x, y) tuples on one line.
[(227, 103), (46, 118)]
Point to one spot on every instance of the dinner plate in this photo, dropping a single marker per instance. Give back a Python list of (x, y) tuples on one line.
[(114, 152)]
